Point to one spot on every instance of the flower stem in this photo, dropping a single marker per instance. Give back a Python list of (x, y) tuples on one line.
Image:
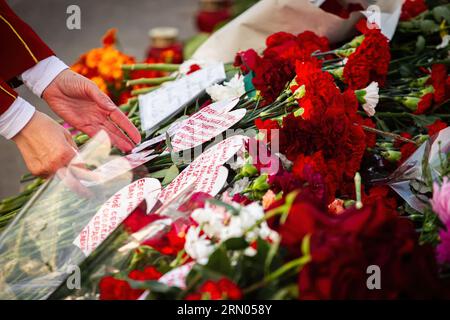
[(149, 81), (152, 66)]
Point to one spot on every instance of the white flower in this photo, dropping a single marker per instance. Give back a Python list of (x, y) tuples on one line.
[(229, 90), (445, 42), (239, 186), (371, 98), (238, 163), (211, 218), (233, 229), (251, 214), (197, 246)]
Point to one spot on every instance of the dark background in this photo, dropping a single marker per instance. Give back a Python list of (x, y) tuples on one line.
[(132, 18)]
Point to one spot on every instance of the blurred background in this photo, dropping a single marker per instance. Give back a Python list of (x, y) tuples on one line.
[(132, 18)]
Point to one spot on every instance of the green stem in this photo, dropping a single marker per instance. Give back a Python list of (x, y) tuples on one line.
[(152, 66), (149, 81)]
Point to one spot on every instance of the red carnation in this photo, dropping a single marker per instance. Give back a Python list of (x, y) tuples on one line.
[(344, 246), (138, 219), (438, 79), (436, 126), (196, 201), (116, 289), (412, 8), (247, 60), (370, 61), (277, 66), (170, 242), (267, 127), (424, 104), (223, 289)]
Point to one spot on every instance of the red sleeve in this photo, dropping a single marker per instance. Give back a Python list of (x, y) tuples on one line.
[(7, 96), (21, 46)]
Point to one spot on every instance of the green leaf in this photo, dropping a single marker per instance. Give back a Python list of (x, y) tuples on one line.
[(236, 243), (153, 285), (424, 120), (219, 262), (420, 43), (171, 174), (428, 26), (442, 12), (160, 174)]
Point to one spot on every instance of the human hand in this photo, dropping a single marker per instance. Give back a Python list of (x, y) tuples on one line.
[(45, 145), (47, 149), (80, 102)]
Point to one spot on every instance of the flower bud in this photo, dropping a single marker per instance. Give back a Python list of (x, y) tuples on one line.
[(391, 155), (410, 102), (248, 170), (345, 52), (338, 73), (420, 82), (260, 183)]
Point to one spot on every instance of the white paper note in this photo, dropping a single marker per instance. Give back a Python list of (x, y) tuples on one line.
[(157, 106), (115, 210)]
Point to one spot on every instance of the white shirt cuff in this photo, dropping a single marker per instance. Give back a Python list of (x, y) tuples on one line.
[(15, 118), (38, 77)]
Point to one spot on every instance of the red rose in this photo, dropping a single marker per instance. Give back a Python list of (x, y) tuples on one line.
[(343, 248), (223, 289), (370, 61), (436, 126), (412, 8), (116, 289)]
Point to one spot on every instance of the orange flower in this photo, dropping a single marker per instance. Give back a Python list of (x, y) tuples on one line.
[(100, 83), (109, 39)]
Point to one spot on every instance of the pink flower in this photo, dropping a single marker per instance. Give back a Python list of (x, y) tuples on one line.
[(441, 205), (441, 200)]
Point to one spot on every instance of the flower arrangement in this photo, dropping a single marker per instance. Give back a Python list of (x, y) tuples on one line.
[(347, 126)]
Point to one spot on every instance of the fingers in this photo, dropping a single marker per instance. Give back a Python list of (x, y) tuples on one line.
[(100, 98), (118, 138), (121, 120)]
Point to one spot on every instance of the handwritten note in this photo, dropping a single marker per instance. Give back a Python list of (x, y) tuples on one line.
[(159, 105), (217, 107), (204, 126), (207, 172), (115, 210)]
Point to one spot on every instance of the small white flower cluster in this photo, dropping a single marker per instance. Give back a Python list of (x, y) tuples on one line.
[(218, 225), (229, 90)]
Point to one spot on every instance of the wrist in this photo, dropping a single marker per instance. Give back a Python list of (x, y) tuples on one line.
[(16, 118), (38, 77)]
